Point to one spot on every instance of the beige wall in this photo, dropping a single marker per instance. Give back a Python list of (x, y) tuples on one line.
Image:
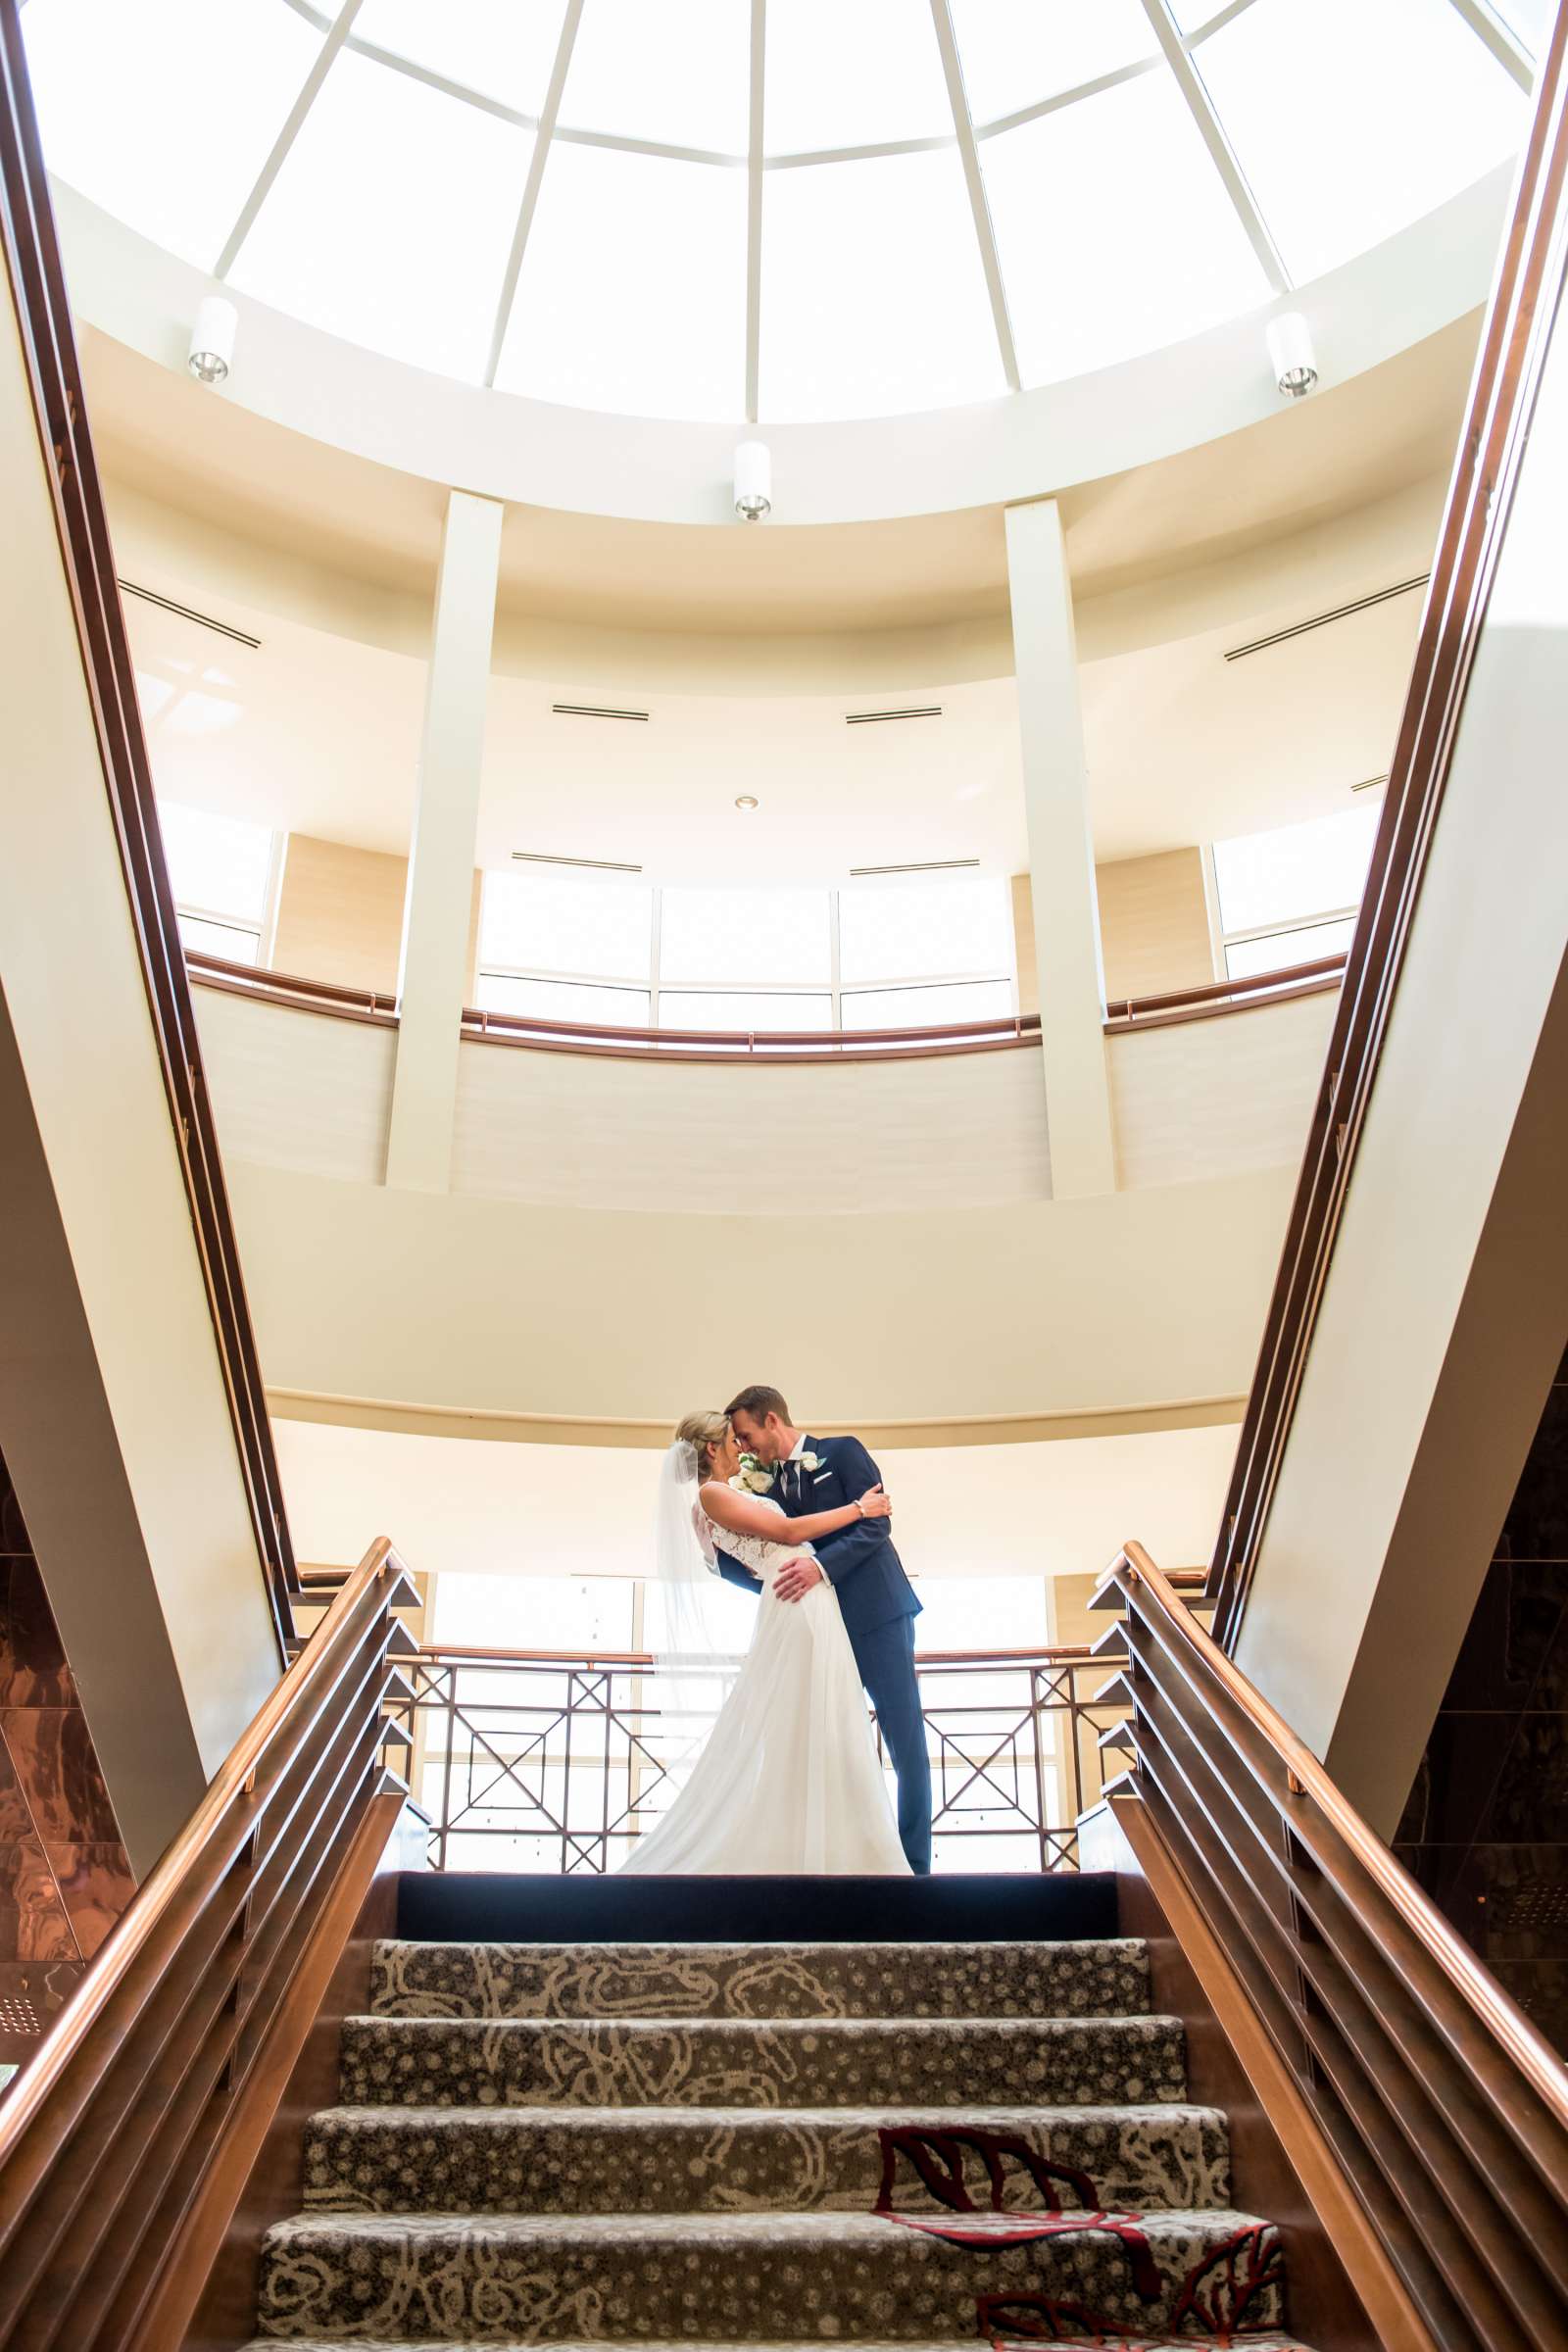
[(1023, 942), (1153, 924), (340, 916), (115, 1416), (1443, 1316)]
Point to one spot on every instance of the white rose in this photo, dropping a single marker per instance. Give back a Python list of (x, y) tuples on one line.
[(811, 1461)]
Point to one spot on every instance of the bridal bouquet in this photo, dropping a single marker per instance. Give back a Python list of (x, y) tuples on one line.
[(753, 1477)]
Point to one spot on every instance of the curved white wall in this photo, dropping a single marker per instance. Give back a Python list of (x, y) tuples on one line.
[(623, 1240), (1200, 1099), (533, 454)]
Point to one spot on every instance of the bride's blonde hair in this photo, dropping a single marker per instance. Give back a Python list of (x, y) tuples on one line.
[(705, 1431)]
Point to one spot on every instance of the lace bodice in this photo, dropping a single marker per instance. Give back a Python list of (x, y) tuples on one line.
[(759, 1553)]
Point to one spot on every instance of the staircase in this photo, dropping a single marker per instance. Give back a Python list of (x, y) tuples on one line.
[(868, 2142)]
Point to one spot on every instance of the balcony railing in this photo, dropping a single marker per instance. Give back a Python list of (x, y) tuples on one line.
[(1008, 1031), (549, 1760)]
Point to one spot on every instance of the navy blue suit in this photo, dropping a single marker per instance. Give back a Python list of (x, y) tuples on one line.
[(877, 1603)]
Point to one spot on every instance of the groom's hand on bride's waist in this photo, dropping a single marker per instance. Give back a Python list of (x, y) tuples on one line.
[(796, 1578)]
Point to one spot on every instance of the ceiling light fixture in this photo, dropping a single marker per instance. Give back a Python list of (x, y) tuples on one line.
[(753, 481), (746, 800), (1291, 354), (212, 339)]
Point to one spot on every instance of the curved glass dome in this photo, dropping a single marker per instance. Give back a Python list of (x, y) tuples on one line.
[(774, 209)]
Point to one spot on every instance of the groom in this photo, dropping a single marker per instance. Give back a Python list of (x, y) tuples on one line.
[(877, 1599)]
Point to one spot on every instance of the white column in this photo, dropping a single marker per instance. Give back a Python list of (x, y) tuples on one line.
[(441, 857), (1061, 856)]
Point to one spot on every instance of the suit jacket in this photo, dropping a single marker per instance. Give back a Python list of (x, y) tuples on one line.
[(859, 1561)]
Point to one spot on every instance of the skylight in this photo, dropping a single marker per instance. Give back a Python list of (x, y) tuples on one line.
[(893, 205)]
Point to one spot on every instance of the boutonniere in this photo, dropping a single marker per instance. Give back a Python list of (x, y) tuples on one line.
[(753, 1477), (811, 1461)]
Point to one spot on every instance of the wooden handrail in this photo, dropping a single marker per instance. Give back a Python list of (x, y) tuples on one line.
[(1225, 995), (339, 1002), (291, 988), (32, 255), (1436, 2093), (126, 2098), (1047, 1653), (1501, 2017), (1524, 303)]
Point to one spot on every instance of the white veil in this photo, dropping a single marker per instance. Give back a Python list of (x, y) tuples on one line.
[(693, 1624)]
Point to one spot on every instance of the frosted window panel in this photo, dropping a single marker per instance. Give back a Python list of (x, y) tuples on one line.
[(979, 1612), (220, 863), (532, 1612), (929, 1007), (775, 936), (874, 300), (391, 219), (220, 939), (1114, 231), (923, 930), (678, 72), (556, 923), (506, 49), (632, 296), (1531, 19), (852, 76), (568, 1001), (733, 1010), (1248, 957), (1302, 870), (1013, 55), (1351, 122), (164, 110)]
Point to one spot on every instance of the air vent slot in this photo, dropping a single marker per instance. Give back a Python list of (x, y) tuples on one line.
[(205, 621), (1370, 784), (1321, 620), (880, 718), (929, 865), (598, 865), (596, 710)]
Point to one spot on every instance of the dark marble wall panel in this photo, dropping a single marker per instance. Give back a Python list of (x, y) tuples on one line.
[(1486, 1827), (64, 1876)]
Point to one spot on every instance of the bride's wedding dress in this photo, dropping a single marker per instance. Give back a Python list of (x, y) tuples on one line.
[(788, 1779)]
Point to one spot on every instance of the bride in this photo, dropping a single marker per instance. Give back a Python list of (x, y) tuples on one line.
[(788, 1780)]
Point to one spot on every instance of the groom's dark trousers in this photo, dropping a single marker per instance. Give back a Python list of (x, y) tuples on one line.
[(877, 1603)]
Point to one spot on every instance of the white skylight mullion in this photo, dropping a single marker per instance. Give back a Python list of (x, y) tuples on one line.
[(985, 236), (290, 131), (1084, 89), (1491, 31), (530, 193), (1222, 153), (753, 212)]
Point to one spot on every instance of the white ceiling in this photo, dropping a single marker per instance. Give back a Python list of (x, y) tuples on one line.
[(319, 733)]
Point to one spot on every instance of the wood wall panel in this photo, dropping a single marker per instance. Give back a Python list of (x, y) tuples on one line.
[(1153, 924)]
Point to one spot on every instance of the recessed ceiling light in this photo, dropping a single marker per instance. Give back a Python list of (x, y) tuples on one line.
[(746, 800)]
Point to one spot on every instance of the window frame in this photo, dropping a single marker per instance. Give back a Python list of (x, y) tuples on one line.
[(1222, 941), (264, 932), (833, 987)]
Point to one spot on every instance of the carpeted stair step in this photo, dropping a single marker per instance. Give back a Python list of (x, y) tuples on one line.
[(710, 2159), (650, 2062), (788, 2278), (1102, 1979), (1269, 2341)]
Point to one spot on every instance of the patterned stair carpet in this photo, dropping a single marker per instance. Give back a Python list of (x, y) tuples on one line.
[(767, 2145)]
